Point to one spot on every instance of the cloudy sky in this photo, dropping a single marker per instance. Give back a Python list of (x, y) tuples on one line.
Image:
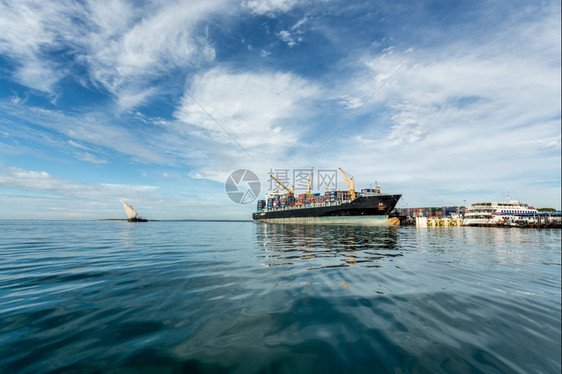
[(157, 102)]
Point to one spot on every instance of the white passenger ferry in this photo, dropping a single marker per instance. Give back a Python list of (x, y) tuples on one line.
[(500, 213)]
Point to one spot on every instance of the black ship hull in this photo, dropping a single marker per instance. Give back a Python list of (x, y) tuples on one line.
[(362, 207), (137, 219)]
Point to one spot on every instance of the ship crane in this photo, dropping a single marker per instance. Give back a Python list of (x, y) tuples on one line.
[(309, 182), (350, 183), (290, 191)]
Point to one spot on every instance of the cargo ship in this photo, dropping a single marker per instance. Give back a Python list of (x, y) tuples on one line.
[(369, 207)]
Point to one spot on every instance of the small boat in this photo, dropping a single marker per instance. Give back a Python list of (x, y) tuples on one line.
[(132, 215)]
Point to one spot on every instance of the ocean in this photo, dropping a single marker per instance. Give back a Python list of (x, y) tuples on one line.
[(241, 297)]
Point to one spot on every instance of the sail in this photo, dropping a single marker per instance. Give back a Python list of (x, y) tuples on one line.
[(131, 213)]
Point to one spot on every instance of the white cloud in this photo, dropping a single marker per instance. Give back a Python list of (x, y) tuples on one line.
[(286, 37), (88, 157), (293, 36), (477, 111), (77, 145), (349, 102), (270, 6), (42, 182), (474, 118), (27, 29), (122, 46), (95, 129), (260, 110), (30, 194), (130, 97), (39, 75)]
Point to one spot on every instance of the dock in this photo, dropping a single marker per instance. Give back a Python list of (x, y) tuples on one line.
[(438, 222), (542, 222)]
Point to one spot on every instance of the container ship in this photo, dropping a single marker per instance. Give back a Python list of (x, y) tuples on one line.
[(369, 207)]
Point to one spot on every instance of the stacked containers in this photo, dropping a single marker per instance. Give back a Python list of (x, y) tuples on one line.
[(428, 212), (261, 205), (291, 200), (449, 210)]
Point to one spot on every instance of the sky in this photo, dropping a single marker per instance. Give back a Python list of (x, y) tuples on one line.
[(157, 102)]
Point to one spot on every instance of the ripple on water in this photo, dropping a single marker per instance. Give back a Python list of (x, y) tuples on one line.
[(241, 297)]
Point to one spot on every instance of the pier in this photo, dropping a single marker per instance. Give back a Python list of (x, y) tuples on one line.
[(438, 222), (505, 215), (542, 222)]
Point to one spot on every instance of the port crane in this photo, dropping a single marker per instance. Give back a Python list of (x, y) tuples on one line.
[(290, 191), (350, 183)]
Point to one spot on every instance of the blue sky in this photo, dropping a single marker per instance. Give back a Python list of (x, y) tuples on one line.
[(157, 102)]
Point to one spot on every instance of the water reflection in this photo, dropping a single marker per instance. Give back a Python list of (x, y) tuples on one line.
[(326, 246)]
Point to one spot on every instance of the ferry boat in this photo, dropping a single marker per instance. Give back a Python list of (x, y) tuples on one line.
[(510, 213), (368, 207)]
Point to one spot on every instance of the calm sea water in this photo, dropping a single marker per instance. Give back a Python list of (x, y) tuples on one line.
[(249, 298)]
